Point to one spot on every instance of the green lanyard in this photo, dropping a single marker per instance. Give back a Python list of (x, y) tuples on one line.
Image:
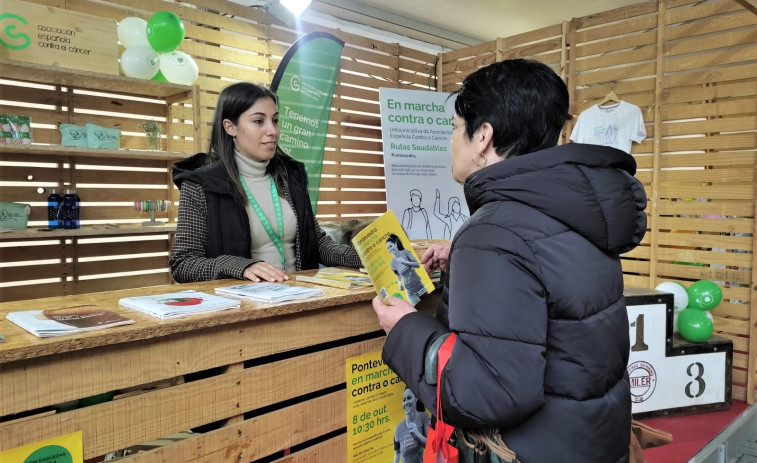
[(278, 240)]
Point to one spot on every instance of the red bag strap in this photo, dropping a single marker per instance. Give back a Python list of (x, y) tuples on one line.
[(445, 351), (444, 432)]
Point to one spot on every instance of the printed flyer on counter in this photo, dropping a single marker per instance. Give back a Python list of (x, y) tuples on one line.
[(416, 127), (63, 449), (384, 421)]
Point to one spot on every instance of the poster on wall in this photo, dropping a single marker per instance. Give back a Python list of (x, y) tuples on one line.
[(63, 449), (304, 83), (416, 128), (385, 423), (42, 34)]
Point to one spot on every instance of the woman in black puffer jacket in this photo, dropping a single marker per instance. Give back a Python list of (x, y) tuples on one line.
[(535, 286)]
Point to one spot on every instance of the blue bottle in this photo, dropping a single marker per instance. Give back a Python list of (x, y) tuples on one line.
[(70, 210), (54, 212)]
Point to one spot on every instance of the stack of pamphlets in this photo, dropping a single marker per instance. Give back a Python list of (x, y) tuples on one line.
[(389, 259), (270, 292), (180, 304), (66, 320), (338, 278)]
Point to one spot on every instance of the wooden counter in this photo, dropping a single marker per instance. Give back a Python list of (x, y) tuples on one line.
[(273, 377)]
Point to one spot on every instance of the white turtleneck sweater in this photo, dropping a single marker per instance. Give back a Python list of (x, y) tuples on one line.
[(258, 181)]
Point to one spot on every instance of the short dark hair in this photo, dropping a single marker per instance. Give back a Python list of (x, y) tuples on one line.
[(525, 101), (232, 102)]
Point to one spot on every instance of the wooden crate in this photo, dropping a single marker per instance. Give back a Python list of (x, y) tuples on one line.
[(250, 383)]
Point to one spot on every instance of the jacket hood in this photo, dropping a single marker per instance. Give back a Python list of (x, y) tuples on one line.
[(589, 188), (185, 169), (212, 177)]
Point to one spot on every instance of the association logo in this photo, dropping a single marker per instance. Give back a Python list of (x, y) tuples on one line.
[(643, 381), (9, 22), (295, 83)]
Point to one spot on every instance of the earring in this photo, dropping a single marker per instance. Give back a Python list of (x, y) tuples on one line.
[(473, 159)]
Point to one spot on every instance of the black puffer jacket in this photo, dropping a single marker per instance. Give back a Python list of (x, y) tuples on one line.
[(535, 293)]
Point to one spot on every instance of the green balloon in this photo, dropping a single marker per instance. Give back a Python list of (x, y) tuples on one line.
[(704, 295), (164, 31), (695, 264), (694, 325), (159, 77)]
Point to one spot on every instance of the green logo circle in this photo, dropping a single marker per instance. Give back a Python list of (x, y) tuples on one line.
[(8, 30), (50, 454)]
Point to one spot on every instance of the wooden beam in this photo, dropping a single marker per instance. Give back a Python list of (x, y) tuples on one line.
[(750, 5)]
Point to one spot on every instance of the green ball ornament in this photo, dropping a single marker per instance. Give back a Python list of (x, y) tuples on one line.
[(164, 31), (694, 325), (704, 295)]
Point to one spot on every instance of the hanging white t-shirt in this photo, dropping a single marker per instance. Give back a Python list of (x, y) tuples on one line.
[(617, 126)]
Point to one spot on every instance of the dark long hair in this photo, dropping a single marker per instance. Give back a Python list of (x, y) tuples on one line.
[(525, 101), (392, 238), (232, 102)]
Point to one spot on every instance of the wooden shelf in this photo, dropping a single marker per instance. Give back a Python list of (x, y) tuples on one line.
[(58, 150), (53, 75), (88, 231)]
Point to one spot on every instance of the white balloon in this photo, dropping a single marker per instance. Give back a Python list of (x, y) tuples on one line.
[(179, 68), (132, 32), (675, 321), (680, 296), (141, 62)]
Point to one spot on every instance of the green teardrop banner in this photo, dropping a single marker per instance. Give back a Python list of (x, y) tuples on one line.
[(304, 83)]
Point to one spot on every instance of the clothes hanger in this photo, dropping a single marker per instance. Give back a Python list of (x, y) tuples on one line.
[(611, 97)]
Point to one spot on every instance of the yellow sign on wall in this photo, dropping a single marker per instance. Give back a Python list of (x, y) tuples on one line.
[(63, 449), (384, 421), (55, 37)]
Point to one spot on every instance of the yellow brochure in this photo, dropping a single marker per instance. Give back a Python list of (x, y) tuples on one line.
[(391, 263)]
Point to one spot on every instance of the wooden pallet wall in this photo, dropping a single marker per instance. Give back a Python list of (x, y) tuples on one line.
[(704, 180), (691, 66), (229, 42)]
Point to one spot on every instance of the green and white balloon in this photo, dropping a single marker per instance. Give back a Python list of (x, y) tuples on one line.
[(694, 325), (704, 295), (179, 68), (140, 62), (165, 31), (132, 31)]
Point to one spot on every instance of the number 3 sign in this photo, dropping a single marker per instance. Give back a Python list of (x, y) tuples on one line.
[(668, 374)]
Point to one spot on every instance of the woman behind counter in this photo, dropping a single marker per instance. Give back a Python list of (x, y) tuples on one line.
[(535, 286), (244, 207)]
